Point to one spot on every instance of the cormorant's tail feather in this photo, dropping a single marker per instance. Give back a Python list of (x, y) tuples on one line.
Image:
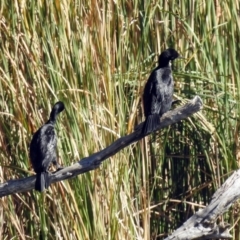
[(151, 123), (42, 181)]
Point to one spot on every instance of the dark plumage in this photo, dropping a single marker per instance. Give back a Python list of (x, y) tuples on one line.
[(43, 148), (158, 92)]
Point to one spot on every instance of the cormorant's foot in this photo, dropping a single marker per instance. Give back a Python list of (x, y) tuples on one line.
[(59, 168), (175, 102)]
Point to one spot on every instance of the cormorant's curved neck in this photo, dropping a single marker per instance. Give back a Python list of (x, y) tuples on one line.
[(53, 117), (163, 64), (51, 121), (164, 61)]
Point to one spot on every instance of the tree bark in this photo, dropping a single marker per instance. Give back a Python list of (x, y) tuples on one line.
[(202, 225)]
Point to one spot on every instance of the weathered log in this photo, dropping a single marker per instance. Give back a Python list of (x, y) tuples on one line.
[(202, 225)]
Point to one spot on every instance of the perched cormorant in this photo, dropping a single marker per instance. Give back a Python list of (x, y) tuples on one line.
[(43, 148), (158, 92)]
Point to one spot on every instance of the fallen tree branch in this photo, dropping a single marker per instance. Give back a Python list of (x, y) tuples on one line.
[(95, 160), (202, 225)]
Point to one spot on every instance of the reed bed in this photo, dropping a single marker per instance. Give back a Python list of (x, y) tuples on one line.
[(95, 56)]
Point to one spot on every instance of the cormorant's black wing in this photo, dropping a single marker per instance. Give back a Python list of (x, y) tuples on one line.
[(152, 96), (43, 147), (157, 97), (166, 90), (48, 144)]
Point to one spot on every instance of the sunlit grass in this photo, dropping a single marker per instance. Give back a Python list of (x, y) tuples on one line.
[(96, 56)]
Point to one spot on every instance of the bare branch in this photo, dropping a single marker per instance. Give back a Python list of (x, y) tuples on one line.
[(95, 160), (202, 225)]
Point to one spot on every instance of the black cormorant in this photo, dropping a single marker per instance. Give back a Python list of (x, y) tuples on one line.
[(158, 92), (43, 148)]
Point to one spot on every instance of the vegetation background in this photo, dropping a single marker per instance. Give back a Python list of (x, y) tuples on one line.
[(95, 56)]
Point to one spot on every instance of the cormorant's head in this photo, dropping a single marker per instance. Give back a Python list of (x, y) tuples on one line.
[(166, 56), (57, 108)]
